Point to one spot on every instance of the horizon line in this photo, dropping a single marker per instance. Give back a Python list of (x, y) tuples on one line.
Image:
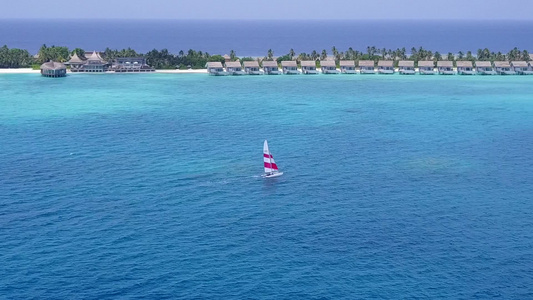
[(255, 20)]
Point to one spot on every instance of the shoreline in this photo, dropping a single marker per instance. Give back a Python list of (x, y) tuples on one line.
[(32, 71)]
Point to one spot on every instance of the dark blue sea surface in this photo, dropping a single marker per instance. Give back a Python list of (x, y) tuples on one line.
[(148, 186), (254, 38)]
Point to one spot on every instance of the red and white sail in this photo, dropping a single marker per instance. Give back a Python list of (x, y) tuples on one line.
[(270, 164)]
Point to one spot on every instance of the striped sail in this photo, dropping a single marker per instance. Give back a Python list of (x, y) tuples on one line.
[(268, 160)]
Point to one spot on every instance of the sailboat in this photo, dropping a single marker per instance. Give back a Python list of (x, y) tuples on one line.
[(271, 169)]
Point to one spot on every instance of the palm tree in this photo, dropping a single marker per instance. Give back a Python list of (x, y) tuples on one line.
[(270, 54), (437, 56), (232, 55), (314, 55), (291, 53), (324, 54)]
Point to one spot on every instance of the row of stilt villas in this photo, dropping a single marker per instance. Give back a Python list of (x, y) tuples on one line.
[(405, 67)]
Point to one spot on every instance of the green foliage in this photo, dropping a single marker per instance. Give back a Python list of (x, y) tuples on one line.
[(163, 59), (217, 58), (79, 52), (53, 53), (247, 59), (14, 58), (283, 58)]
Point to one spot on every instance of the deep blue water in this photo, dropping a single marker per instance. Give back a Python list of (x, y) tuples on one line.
[(254, 38), (147, 186)]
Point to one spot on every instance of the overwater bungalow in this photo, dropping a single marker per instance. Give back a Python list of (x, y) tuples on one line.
[(289, 67), (503, 68), (252, 68), (385, 67), (75, 63), (94, 64), (347, 66), (426, 67), (234, 68), (445, 67), (328, 67), (484, 68), (308, 67), (521, 67), (215, 68), (366, 67), (53, 69), (270, 67), (406, 67), (131, 65), (465, 68)]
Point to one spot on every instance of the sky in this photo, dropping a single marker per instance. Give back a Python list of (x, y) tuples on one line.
[(269, 9)]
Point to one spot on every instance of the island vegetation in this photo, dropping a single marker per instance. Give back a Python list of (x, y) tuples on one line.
[(192, 59)]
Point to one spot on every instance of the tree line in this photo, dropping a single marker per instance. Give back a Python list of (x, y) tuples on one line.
[(164, 59)]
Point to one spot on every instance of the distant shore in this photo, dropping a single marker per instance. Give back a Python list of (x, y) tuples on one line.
[(32, 71)]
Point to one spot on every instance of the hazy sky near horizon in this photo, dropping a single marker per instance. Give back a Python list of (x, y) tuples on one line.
[(270, 9)]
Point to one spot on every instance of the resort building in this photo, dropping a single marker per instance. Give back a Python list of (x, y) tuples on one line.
[(308, 67), (445, 67), (328, 67), (406, 67), (53, 69), (347, 66), (131, 65), (270, 67), (503, 68), (521, 68), (366, 67), (215, 68), (252, 68), (234, 68), (227, 58), (426, 67), (385, 67), (465, 68), (484, 68), (289, 67), (94, 64), (75, 63)]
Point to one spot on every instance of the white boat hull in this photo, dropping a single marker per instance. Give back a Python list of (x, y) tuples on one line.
[(272, 175)]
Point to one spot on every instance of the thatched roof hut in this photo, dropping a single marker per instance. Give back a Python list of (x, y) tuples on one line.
[(385, 63), (75, 59), (502, 64), (53, 69), (251, 64), (366, 63), (288, 63), (328, 63), (445, 64), (213, 64), (483, 64), (519, 64), (464, 64), (426, 64), (308, 64), (406, 64), (270, 64), (347, 63)]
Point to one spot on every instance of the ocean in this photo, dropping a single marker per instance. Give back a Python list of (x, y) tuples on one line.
[(255, 38), (148, 186)]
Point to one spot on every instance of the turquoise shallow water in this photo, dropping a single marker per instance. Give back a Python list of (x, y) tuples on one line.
[(123, 186)]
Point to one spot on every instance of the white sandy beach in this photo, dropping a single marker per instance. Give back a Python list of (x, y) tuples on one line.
[(31, 71), (19, 71)]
